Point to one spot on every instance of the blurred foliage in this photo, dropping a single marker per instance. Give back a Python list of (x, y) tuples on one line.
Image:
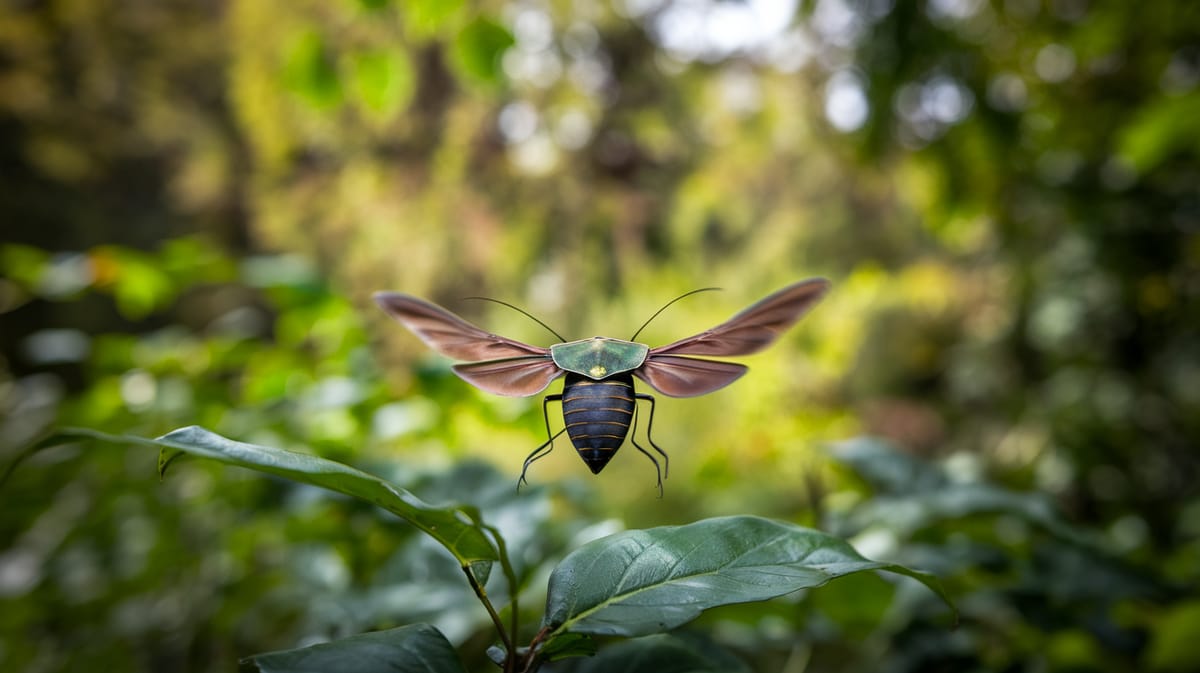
[(198, 198)]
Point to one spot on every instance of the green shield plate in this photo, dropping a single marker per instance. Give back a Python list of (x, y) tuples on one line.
[(599, 357)]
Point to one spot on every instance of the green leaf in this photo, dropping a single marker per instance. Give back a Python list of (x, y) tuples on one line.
[(419, 648), (23, 264), (428, 18), (137, 281), (383, 81), (1160, 129), (165, 458), (566, 645), (478, 49), (452, 526), (646, 581), (309, 71), (1175, 645)]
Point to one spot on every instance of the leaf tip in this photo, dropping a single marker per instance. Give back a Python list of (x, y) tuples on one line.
[(165, 458), (185, 431)]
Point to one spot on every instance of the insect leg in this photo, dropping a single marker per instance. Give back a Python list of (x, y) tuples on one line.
[(545, 448), (649, 427), (632, 437), (539, 452)]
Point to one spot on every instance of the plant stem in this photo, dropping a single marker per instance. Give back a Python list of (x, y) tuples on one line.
[(532, 662), (510, 657), (511, 576)]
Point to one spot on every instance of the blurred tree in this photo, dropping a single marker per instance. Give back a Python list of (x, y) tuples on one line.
[(1004, 194), (1051, 171)]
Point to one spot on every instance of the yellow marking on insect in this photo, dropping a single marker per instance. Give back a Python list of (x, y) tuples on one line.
[(598, 371), (580, 411), (579, 423), (570, 400)]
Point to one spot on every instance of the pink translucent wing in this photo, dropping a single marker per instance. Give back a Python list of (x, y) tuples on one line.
[(449, 334), (514, 377), (754, 328), (687, 377)]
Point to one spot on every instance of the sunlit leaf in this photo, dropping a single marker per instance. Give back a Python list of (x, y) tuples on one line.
[(196, 260), (383, 80), (646, 581), (419, 648), (428, 17), (1161, 128), (137, 281), (141, 288)]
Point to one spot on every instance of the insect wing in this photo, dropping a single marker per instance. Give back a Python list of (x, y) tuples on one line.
[(754, 328), (449, 334), (687, 377), (513, 377)]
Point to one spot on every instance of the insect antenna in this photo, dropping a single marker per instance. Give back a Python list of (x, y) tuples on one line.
[(522, 311), (685, 294)]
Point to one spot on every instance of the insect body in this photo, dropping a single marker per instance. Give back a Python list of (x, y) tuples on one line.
[(599, 401), (597, 415)]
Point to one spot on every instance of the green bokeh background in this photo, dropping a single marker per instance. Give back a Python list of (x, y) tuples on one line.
[(197, 200)]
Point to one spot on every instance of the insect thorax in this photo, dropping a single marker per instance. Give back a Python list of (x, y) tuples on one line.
[(599, 357)]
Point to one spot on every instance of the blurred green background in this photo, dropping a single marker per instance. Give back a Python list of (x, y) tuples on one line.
[(197, 199)]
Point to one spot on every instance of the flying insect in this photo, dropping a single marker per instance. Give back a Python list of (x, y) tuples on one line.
[(599, 402)]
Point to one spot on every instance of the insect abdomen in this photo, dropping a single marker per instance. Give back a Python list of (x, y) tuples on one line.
[(597, 415)]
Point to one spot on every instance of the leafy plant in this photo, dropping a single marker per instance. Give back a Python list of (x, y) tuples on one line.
[(630, 584), (1012, 560)]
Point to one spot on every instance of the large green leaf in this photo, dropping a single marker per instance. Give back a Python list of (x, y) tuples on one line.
[(646, 581), (452, 526), (418, 648)]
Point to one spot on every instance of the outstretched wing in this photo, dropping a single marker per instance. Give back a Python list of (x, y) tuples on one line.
[(449, 334), (687, 377), (514, 377), (754, 328), (498, 365), (747, 332)]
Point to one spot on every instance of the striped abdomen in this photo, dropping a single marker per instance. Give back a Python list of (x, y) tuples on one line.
[(597, 415)]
